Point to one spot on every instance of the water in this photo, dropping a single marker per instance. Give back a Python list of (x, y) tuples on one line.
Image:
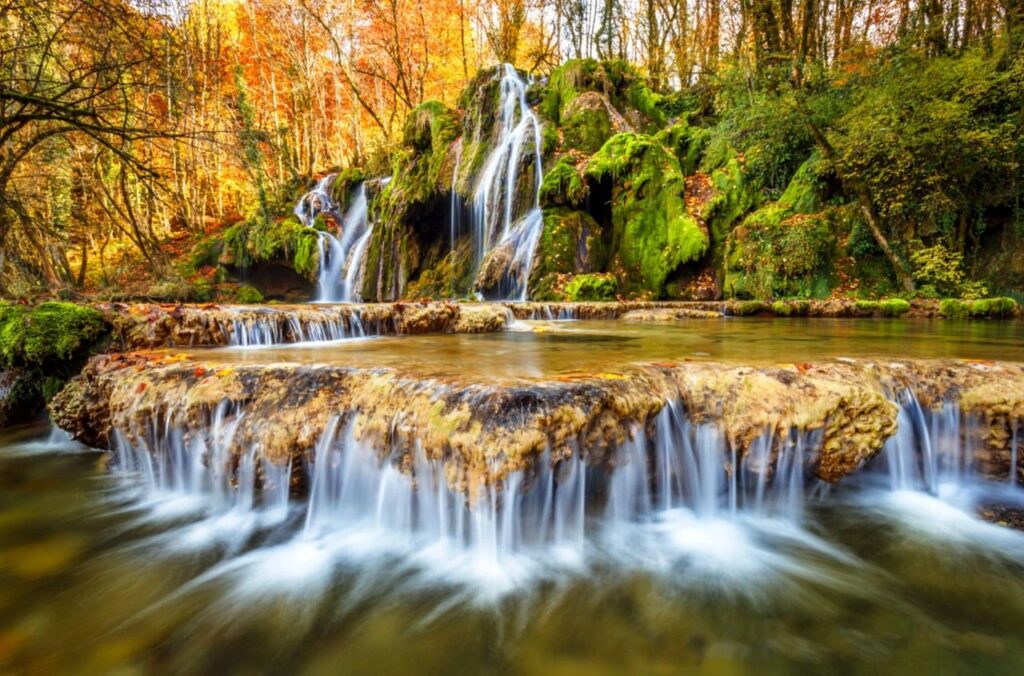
[(341, 258), (553, 348), (503, 218), (670, 552), (704, 567), (265, 327)]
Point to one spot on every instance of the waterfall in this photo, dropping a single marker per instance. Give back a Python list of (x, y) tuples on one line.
[(266, 326), (932, 481), (496, 226), (341, 258), (663, 498)]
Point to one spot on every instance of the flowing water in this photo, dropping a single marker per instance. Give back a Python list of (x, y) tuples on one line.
[(504, 217), (674, 556), (341, 257)]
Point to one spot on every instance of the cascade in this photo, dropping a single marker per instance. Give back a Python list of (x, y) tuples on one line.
[(664, 493), (341, 258), (507, 225)]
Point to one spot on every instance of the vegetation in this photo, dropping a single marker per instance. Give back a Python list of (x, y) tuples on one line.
[(758, 150), (40, 348)]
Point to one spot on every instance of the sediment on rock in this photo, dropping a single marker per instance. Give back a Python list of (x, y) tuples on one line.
[(155, 326), (484, 430)]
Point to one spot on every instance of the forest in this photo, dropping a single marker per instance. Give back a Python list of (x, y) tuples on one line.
[(690, 149)]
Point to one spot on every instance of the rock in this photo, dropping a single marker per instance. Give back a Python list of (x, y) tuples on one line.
[(485, 428), (20, 399)]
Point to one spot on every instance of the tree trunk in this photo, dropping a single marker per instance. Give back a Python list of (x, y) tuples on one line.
[(864, 200)]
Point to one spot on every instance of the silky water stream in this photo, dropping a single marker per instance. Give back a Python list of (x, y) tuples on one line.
[(661, 560)]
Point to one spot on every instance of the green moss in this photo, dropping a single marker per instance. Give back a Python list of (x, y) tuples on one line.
[(45, 346), (451, 277), (893, 307), (50, 332), (733, 199), (985, 308), (865, 308), (563, 185), (744, 308), (570, 243), (592, 287), (791, 308), (344, 183), (248, 294), (587, 130), (653, 234), (617, 80), (783, 248)]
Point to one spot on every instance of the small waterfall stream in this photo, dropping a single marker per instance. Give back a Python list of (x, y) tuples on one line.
[(341, 258), (497, 226)]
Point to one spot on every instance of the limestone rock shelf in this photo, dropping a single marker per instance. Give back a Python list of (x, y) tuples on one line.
[(482, 429)]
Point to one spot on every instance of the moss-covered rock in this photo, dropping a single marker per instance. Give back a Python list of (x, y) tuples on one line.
[(597, 286), (564, 184), (589, 121), (653, 233), (284, 240), (570, 243), (40, 348), (786, 247), (618, 81), (985, 308)]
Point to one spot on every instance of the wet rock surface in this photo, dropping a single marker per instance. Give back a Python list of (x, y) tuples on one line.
[(482, 429)]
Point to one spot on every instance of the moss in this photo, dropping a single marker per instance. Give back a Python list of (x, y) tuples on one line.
[(570, 243), (985, 308), (587, 124), (344, 183), (783, 248), (653, 234), (563, 185), (893, 307), (592, 287), (283, 240), (451, 277), (865, 308), (248, 294), (617, 80), (42, 347), (733, 199), (744, 308), (791, 308), (50, 332)]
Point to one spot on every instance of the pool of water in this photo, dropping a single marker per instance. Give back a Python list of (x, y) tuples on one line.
[(98, 575), (533, 349)]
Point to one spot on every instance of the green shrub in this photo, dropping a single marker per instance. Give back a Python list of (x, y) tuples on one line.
[(592, 287)]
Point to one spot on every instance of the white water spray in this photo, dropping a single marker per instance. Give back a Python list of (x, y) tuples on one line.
[(341, 258), (496, 202)]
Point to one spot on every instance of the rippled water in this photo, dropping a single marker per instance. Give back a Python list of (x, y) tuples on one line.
[(98, 576)]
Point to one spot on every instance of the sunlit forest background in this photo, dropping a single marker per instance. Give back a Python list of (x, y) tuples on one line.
[(129, 129)]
